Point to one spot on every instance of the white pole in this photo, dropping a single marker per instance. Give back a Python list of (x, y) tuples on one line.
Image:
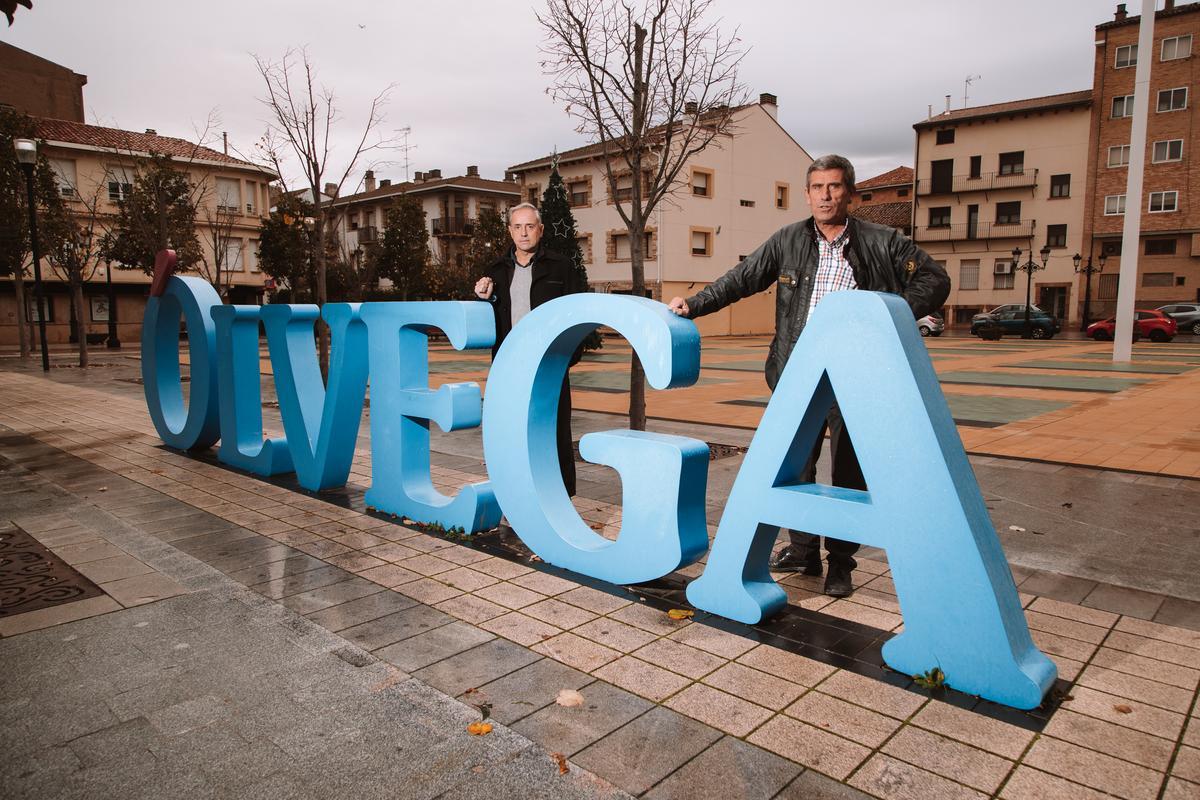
[(1127, 286)]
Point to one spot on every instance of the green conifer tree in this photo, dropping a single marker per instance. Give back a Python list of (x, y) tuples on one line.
[(562, 237)]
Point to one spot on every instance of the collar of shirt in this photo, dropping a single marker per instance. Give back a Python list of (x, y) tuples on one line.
[(512, 255), (838, 241)]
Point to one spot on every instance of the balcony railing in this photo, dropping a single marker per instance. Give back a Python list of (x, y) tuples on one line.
[(978, 183), (963, 231), (368, 235), (453, 226)]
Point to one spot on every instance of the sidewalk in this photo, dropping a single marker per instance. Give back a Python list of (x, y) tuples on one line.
[(396, 623)]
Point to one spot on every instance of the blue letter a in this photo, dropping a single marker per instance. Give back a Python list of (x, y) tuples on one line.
[(959, 602)]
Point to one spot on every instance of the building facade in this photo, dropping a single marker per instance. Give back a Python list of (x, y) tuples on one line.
[(95, 167), (1168, 246), (996, 178), (736, 193), (38, 87), (886, 200)]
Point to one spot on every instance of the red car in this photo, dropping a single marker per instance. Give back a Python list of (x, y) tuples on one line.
[(1155, 325)]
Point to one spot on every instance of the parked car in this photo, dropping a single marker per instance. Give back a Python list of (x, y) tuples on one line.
[(1186, 316), (993, 325), (1019, 308), (1154, 325), (931, 325)]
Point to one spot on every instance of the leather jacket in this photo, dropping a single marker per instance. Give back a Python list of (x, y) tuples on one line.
[(883, 260)]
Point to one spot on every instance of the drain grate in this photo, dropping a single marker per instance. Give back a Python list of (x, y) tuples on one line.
[(31, 577)]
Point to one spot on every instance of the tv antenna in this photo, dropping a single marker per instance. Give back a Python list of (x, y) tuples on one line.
[(967, 87), (405, 148)]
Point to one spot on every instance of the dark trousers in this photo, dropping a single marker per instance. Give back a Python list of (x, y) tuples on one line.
[(566, 450), (846, 473)]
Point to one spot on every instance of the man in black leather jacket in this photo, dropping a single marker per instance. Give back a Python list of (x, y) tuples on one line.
[(806, 260)]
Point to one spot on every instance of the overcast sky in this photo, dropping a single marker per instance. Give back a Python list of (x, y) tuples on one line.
[(851, 77)]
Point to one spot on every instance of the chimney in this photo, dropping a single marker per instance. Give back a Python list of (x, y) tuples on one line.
[(331, 189), (1168, 5), (369, 180), (509, 176), (947, 104), (418, 177), (386, 182), (433, 175), (151, 132), (472, 171), (689, 107), (1121, 14), (770, 104), (225, 142)]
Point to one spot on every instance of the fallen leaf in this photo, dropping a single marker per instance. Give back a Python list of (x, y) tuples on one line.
[(485, 710), (561, 760), (1122, 709), (569, 698), (1016, 528), (472, 690), (681, 613), (479, 728), (104, 488), (1068, 505)]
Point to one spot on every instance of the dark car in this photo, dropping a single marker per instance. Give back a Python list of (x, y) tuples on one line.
[(1186, 315), (1155, 325), (1010, 322), (998, 311)]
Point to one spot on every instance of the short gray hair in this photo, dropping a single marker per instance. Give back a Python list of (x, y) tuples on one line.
[(833, 162), (530, 206)]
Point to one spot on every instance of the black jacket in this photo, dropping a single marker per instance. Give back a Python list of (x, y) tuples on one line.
[(883, 260), (553, 276)]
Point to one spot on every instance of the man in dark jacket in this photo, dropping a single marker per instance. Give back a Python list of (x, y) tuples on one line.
[(518, 282), (807, 260)]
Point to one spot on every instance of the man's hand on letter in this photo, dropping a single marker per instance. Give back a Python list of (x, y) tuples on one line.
[(483, 288), (679, 306)]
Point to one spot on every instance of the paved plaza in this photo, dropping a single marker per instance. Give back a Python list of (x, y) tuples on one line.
[(251, 639)]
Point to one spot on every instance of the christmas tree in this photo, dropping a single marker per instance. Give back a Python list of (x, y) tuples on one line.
[(561, 236)]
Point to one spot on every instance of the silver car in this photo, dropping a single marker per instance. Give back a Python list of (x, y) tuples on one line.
[(1186, 315), (931, 325)]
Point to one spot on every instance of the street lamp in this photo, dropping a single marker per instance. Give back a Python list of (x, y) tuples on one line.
[(27, 158), (1088, 271), (1029, 267), (114, 343)]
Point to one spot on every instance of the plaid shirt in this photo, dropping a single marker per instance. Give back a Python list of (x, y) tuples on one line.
[(833, 270)]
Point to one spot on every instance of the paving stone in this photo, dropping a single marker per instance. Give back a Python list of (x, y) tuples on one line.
[(813, 785), (614, 634), (521, 693), (501, 568), (392, 628), (845, 719), (789, 666), (637, 676), (1179, 612), (576, 651), (427, 648), (726, 770), (873, 694), (634, 757), (679, 658), (544, 582), (1106, 737), (812, 747), (649, 619), (1187, 764), (1131, 664), (757, 687), (562, 615), (594, 600), (521, 629), (569, 730), (1149, 691), (949, 759), (891, 779), (1057, 587), (714, 640), (364, 609), (1120, 600), (1154, 630), (111, 569), (470, 608), (466, 579), (725, 712), (389, 575), (475, 667), (1096, 770), (1177, 789), (1156, 649), (1132, 714), (509, 596), (1073, 611), (302, 582), (974, 729), (331, 595)]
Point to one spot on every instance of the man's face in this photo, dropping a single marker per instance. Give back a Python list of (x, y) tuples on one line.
[(525, 230), (828, 196)]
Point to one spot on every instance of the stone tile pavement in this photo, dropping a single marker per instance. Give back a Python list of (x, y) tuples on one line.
[(671, 707)]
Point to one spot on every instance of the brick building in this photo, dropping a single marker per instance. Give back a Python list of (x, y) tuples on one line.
[(38, 87), (886, 199), (1168, 248)]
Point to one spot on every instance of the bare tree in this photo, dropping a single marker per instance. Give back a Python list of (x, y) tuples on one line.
[(215, 258), (78, 239), (653, 86), (302, 116)]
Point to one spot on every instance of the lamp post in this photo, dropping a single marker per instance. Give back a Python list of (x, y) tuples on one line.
[(1029, 267), (1088, 271), (27, 158), (114, 343)]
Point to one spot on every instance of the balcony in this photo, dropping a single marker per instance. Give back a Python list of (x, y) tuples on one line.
[(453, 226), (965, 231), (978, 183), (368, 235)]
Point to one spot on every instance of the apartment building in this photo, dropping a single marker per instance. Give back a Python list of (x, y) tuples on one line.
[(736, 193), (452, 206), (1168, 246), (886, 199), (95, 168), (995, 178), (39, 87)]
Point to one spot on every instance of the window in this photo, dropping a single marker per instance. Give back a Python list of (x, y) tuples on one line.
[(1060, 185), (1008, 213), (1111, 248), (1167, 150), (1012, 163), (1002, 274), (781, 196), (229, 195), (64, 176), (1114, 204), (585, 247), (1126, 56), (251, 191), (1107, 289), (533, 194), (976, 166), (939, 217), (702, 182), (1172, 99), (968, 274), (1056, 235), (1158, 279), (120, 183), (1118, 155), (624, 188), (233, 256), (746, 203), (251, 255), (1176, 47), (621, 250), (1122, 106), (902, 192), (865, 196), (579, 193), (1162, 202), (31, 309), (945, 136), (1160, 247), (701, 242)]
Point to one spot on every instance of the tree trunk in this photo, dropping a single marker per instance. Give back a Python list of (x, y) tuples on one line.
[(322, 328), (637, 230), (80, 325), (22, 320)]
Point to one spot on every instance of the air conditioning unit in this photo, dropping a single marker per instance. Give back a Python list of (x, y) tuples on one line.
[(1004, 267)]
